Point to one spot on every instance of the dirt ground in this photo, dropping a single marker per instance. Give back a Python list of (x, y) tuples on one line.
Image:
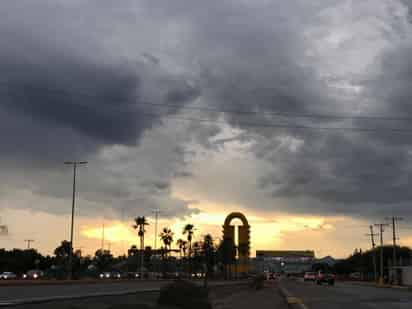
[(244, 297)]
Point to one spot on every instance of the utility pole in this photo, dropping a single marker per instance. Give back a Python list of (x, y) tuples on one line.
[(394, 259), (381, 230), (29, 241), (372, 236), (74, 163)]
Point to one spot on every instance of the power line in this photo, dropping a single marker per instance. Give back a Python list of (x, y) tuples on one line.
[(69, 93), (256, 124), (278, 113), (282, 126)]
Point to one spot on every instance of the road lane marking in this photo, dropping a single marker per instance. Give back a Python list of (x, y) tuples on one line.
[(294, 300)]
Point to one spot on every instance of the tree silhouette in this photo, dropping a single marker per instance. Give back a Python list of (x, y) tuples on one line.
[(189, 231), (227, 254), (140, 223), (167, 237), (182, 247)]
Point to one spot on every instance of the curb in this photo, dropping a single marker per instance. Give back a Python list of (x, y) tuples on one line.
[(292, 301), (375, 285)]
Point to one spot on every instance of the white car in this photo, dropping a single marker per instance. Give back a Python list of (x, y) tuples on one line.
[(7, 275)]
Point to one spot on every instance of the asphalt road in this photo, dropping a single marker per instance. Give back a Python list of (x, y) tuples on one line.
[(346, 295), (51, 292), (38, 292)]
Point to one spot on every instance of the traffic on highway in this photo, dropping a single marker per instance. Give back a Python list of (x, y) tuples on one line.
[(344, 295)]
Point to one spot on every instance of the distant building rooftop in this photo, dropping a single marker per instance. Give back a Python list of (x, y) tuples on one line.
[(285, 253)]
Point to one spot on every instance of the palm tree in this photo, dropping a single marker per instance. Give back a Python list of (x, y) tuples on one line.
[(209, 256), (167, 237), (139, 224), (189, 230), (182, 246)]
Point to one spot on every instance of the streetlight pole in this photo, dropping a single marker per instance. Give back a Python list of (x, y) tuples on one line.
[(156, 212), (74, 163)]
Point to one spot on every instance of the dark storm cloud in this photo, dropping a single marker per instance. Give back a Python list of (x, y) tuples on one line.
[(65, 93), (61, 78), (96, 100), (260, 65), (87, 83)]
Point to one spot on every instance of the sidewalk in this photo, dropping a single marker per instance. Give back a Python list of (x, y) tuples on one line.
[(246, 297), (373, 284)]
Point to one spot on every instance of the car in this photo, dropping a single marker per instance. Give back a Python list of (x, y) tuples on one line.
[(33, 274), (105, 275), (7, 275), (197, 275), (355, 276), (273, 276), (133, 275), (324, 277), (110, 275), (309, 276)]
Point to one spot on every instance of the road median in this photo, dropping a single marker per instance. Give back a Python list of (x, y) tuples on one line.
[(293, 301)]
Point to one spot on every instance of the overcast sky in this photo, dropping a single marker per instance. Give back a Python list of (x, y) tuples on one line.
[(295, 112)]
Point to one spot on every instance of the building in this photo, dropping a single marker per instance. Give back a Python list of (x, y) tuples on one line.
[(288, 262), (328, 260)]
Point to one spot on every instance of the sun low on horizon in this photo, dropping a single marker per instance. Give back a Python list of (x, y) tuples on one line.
[(268, 232)]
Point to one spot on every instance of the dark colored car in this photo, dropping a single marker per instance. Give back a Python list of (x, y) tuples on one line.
[(133, 275), (323, 277), (110, 275), (33, 274)]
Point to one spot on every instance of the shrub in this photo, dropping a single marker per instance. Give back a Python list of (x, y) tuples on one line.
[(184, 295), (258, 281)]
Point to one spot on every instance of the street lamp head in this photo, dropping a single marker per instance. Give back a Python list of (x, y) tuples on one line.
[(75, 162)]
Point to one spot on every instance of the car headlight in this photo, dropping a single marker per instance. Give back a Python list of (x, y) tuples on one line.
[(107, 275), (101, 276), (35, 276), (24, 276)]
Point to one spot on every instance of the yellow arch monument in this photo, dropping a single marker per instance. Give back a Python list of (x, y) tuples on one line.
[(243, 240)]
